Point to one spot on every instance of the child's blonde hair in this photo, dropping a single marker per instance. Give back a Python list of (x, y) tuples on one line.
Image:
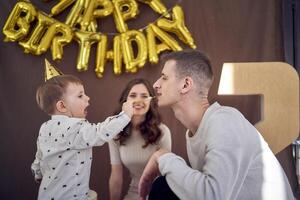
[(50, 92)]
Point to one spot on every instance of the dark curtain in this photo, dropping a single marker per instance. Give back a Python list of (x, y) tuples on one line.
[(228, 31), (291, 32)]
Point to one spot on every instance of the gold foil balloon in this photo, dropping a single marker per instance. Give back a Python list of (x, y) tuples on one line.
[(62, 5), (177, 26), (38, 34), (103, 8), (101, 56), (157, 6), (18, 23), (51, 71), (31, 45), (124, 10), (127, 39), (130, 47), (87, 17), (92, 27), (62, 35), (85, 41), (81, 16), (75, 15), (57, 35), (167, 42), (117, 55)]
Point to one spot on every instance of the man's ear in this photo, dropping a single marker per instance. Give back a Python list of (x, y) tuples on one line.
[(60, 106), (187, 84)]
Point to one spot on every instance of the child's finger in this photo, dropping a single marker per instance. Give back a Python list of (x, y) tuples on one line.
[(130, 102)]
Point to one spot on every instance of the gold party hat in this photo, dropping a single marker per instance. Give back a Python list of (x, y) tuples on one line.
[(51, 71)]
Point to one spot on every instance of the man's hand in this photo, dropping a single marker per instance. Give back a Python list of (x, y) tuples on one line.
[(151, 171)]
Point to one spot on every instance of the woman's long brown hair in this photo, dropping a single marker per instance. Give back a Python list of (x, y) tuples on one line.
[(149, 128)]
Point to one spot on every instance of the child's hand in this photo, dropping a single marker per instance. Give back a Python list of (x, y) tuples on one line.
[(128, 107), (37, 180)]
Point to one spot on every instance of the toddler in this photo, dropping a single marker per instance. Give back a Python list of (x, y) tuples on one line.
[(64, 145)]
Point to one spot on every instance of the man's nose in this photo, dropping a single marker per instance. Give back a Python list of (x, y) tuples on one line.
[(155, 84)]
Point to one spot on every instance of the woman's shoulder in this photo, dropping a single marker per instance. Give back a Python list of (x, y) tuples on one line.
[(114, 142), (162, 126), (165, 139), (164, 129)]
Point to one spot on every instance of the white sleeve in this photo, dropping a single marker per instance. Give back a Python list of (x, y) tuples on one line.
[(35, 166), (225, 162), (183, 180), (97, 134)]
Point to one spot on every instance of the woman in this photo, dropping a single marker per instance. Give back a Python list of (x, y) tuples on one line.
[(144, 135)]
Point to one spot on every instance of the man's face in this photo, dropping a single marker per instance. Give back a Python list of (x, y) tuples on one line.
[(168, 86)]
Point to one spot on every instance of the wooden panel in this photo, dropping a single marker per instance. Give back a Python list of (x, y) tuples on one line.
[(278, 83)]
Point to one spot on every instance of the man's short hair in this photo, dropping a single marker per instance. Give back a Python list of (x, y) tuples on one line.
[(194, 64)]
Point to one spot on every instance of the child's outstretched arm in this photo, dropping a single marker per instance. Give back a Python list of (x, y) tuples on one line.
[(97, 134)]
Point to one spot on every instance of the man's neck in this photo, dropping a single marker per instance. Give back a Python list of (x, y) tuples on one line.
[(190, 113)]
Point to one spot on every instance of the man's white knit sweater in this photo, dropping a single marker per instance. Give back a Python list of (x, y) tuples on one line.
[(229, 160)]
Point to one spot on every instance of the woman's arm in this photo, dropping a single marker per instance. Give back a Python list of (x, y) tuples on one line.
[(116, 181)]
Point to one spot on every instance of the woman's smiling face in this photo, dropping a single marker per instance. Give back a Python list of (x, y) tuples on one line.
[(140, 96)]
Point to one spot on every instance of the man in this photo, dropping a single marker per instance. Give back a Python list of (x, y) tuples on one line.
[(228, 156)]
